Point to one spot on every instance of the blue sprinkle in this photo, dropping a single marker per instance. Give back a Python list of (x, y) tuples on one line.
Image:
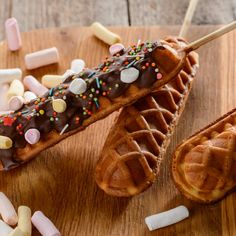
[(91, 74), (98, 83), (51, 92), (97, 104), (130, 64)]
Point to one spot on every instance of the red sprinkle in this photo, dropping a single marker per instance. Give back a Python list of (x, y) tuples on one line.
[(8, 121)]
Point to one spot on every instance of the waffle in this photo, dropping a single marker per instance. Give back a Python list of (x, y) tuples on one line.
[(204, 165), (136, 144), (169, 62)]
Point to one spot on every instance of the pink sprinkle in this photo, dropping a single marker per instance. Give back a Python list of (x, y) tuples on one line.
[(159, 75)]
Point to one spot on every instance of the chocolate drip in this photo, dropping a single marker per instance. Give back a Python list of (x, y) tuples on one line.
[(101, 81)]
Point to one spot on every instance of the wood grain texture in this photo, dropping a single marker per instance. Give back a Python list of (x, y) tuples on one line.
[(5, 12), (60, 180), (169, 12)]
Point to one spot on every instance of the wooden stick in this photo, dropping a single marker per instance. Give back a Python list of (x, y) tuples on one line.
[(216, 34), (188, 18)]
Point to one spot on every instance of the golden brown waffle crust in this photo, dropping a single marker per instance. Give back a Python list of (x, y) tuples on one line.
[(112, 143), (206, 131)]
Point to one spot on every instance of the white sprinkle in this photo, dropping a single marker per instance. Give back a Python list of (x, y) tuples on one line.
[(139, 41), (64, 129)]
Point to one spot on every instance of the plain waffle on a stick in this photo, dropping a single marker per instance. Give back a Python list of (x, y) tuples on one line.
[(135, 146), (85, 98), (204, 165)]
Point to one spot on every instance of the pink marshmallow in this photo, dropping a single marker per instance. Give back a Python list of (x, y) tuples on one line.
[(3, 97), (13, 34), (41, 58), (34, 86), (7, 210), (115, 48), (44, 225), (32, 136), (15, 103)]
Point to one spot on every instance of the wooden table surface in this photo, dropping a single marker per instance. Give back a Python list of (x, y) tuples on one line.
[(60, 181), (35, 14)]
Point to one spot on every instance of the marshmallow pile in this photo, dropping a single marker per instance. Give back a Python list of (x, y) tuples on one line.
[(23, 220)]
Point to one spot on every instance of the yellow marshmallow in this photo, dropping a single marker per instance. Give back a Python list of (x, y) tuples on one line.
[(24, 221), (59, 105), (16, 89), (5, 142), (51, 81), (104, 34)]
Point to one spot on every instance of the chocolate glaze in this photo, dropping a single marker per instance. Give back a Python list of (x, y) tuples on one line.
[(101, 81)]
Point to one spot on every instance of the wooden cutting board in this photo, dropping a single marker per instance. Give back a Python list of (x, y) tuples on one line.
[(60, 180)]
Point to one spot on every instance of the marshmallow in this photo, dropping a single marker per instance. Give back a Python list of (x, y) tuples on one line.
[(34, 86), (7, 210), (166, 218), (5, 229), (59, 105), (3, 97), (17, 232), (77, 65), (44, 225), (67, 74), (51, 81), (29, 96), (15, 103), (41, 58), (13, 34), (115, 48), (32, 136), (5, 142), (104, 34), (16, 89), (8, 75), (129, 75), (78, 86), (24, 222)]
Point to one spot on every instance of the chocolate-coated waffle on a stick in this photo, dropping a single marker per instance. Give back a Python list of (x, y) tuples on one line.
[(85, 98), (204, 165), (136, 144)]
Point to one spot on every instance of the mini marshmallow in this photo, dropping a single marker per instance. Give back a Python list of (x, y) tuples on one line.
[(44, 225), (29, 96), (67, 74), (104, 34), (15, 103), (41, 58), (17, 232), (5, 142), (5, 229), (16, 89), (166, 218), (24, 222), (13, 34), (59, 105), (32, 136), (51, 81), (129, 75), (7, 210), (34, 86), (8, 75), (115, 48), (78, 86), (3, 97), (77, 65)]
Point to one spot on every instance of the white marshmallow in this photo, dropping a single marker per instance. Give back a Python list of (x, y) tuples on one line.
[(3, 97), (67, 74), (78, 86), (15, 103), (77, 65), (29, 96), (166, 218), (129, 75), (5, 229), (16, 89), (51, 81), (7, 210), (8, 75)]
